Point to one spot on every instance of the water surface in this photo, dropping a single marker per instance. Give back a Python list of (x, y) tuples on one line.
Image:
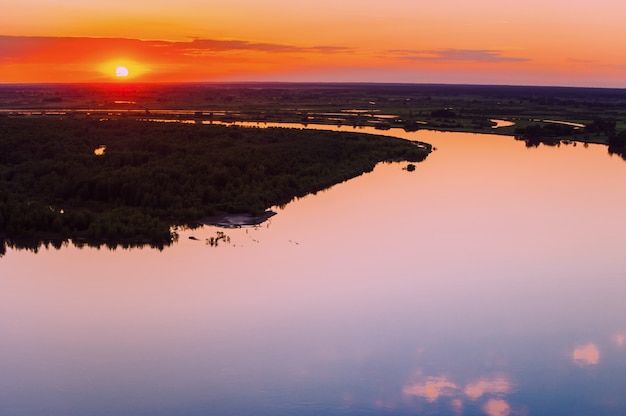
[(489, 281)]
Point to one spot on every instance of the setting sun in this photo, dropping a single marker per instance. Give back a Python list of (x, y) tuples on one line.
[(194, 41), (121, 71)]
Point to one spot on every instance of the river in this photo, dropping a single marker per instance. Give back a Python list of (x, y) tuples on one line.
[(489, 281)]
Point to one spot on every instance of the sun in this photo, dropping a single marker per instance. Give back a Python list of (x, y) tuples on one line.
[(121, 71)]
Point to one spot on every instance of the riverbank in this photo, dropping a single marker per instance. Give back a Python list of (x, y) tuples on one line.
[(57, 183), (468, 108)]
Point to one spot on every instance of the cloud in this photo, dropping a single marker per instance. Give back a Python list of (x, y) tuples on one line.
[(581, 61), (586, 355), (619, 339), (224, 45), (477, 55), (18, 48)]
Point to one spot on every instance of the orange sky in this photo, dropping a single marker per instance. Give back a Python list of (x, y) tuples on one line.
[(483, 42)]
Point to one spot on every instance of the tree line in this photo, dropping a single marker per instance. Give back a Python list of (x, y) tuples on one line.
[(152, 176)]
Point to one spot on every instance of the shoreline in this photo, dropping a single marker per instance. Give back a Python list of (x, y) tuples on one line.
[(236, 220)]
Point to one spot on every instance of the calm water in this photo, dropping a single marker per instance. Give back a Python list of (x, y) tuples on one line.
[(489, 281)]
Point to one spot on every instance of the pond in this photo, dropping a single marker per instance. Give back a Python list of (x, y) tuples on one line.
[(489, 281)]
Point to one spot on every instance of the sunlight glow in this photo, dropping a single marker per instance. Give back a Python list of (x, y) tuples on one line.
[(99, 151), (121, 71)]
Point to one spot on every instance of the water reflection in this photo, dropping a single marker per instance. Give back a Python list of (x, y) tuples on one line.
[(488, 282), (432, 389), (35, 246), (489, 391), (219, 237), (497, 407), (495, 385), (501, 123), (586, 355)]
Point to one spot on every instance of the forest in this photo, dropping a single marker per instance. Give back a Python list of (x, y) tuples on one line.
[(99, 164), (128, 182)]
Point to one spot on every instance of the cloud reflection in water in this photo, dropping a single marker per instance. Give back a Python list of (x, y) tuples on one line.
[(432, 389), (619, 339), (457, 406), (497, 385), (492, 388), (586, 355), (497, 407)]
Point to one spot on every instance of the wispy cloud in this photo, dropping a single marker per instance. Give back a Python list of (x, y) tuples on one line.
[(230, 45), (477, 55), (14, 48), (581, 61)]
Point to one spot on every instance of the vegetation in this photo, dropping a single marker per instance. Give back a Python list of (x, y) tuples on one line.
[(617, 144), (154, 175), (410, 106), (149, 176), (535, 134)]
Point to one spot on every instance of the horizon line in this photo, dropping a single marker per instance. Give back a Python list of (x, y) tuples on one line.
[(303, 83)]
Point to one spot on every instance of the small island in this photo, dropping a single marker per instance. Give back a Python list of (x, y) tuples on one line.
[(128, 182)]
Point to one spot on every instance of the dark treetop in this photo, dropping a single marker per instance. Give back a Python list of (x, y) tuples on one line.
[(152, 176)]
